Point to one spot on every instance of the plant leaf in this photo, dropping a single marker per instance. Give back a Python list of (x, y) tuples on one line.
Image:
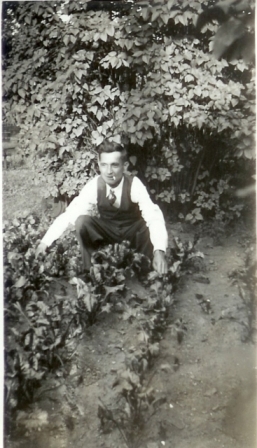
[(20, 282), (113, 289)]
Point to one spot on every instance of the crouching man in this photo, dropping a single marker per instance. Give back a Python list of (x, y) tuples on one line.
[(125, 208)]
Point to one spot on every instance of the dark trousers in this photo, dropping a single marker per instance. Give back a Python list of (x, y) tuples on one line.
[(92, 232)]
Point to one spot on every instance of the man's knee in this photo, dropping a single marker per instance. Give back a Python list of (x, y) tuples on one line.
[(82, 222)]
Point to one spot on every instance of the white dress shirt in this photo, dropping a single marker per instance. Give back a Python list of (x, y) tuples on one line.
[(85, 204)]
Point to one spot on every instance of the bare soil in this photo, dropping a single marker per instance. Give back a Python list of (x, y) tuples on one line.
[(209, 379)]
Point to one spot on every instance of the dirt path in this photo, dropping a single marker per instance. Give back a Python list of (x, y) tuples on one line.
[(213, 391), (208, 379)]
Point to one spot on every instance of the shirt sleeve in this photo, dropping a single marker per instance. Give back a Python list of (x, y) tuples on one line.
[(81, 205), (152, 215)]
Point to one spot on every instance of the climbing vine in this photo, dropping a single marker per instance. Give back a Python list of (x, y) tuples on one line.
[(139, 73)]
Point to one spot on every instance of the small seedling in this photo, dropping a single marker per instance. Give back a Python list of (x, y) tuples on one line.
[(204, 303)]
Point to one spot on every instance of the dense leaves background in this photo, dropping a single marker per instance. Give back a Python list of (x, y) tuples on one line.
[(76, 73)]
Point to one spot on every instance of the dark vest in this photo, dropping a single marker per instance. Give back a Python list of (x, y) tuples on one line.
[(127, 213)]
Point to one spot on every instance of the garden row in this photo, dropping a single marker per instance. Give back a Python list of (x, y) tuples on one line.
[(43, 327)]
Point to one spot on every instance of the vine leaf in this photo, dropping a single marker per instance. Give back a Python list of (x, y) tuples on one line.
[(20, 282)]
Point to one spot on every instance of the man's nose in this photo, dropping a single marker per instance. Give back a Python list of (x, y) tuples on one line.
[(109, 169)]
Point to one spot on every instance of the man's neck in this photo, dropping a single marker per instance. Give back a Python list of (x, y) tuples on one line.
[(116, 184)]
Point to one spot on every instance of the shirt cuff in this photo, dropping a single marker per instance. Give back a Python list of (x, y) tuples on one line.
[(160, 246)]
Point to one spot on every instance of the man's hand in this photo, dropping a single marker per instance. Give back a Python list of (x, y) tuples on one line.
[(159, 262), (41, 249)]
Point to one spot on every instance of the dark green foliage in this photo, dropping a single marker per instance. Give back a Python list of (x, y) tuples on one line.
[(135, 74), (42, 327), (137, 402), (235, 37), (40, 337)]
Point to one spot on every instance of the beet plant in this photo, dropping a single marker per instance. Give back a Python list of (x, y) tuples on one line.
[(42, 327), (135, 401), (136, 405)]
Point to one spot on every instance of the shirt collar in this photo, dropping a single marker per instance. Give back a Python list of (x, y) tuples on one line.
[(116, 189)]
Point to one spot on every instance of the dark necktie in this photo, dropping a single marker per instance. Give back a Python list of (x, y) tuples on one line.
[(111, 197)]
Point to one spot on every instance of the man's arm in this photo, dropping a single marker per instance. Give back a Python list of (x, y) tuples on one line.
[(154, 219), (159, 262), (81, 205), (41, 249)]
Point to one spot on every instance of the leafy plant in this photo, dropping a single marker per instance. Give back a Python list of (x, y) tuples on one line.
[(246, 280), (90, 302), (180, 113), (137, 402), (39, 339), (43, 326)]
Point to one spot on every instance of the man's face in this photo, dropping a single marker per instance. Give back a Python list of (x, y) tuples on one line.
[(111, 167)]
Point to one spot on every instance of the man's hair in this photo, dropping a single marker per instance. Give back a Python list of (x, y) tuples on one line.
[(112, 147)]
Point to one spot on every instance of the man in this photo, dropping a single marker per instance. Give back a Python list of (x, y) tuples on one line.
[(125, 208)]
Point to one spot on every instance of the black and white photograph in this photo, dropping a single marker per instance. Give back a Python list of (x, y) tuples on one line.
[(129, 224)]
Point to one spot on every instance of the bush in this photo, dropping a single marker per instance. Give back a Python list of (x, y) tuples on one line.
[(180, 112)]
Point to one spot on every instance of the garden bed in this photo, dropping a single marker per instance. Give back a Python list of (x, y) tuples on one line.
[(199, 381)]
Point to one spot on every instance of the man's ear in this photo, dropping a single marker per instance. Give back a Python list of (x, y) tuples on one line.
[(125, 166)]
